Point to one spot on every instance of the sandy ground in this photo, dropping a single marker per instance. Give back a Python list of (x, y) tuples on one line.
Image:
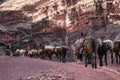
[(21, 68)]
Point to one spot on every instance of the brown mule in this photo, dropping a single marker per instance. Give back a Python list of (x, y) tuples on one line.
[(90, 47), (116, 49)]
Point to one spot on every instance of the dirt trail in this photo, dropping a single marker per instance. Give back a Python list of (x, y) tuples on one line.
[(20, 68)]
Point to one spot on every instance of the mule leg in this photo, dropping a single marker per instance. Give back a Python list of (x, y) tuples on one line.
[(106, 59), (64, 57), (86, 58), (50, 56), (112, 58), (100, 55), (61, 58), (43, 56), (92, 61), (58, 57), (80, 57), (116, 56), (119, 57), (36, 54), (101, 61), (95, 61), (89, 58)]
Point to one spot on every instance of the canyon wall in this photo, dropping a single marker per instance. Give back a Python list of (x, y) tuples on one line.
[(50, 15)]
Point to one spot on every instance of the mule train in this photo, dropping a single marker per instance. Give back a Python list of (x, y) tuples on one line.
[(47, 52), (92, 48), (28, 47), (43, 52)]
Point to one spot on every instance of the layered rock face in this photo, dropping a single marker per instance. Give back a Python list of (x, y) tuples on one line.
[(15, 17), (49, 15), (62, 13)]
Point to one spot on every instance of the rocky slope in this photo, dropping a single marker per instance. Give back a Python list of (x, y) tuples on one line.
[(70, 14), (49, 15), (41, 16), (59, 12), (111, 32)]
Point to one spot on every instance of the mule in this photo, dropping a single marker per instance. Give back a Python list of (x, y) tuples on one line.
[(33, 53), (90, 47), (8, 52), (79, 53), (63, 54), (20, 52), (46, 51), (79, 49), (58, 51), (107, 45), (116, 49)]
